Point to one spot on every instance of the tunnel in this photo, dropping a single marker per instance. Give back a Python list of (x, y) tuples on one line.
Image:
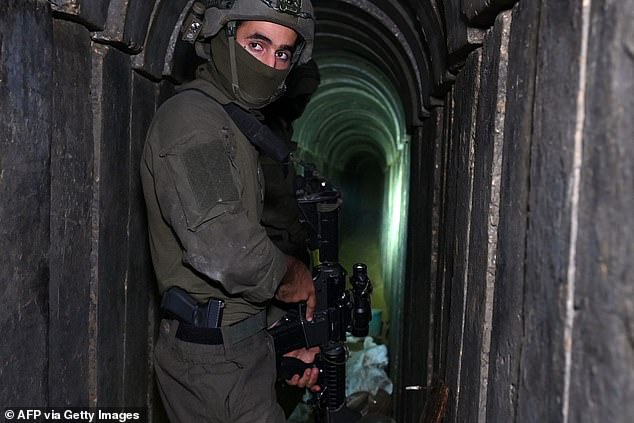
[(484, 152)]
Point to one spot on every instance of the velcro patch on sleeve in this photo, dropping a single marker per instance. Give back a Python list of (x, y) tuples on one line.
[(208, 169), (204, 179)]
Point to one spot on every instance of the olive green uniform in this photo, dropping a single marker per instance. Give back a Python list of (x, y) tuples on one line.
[(204, 194)]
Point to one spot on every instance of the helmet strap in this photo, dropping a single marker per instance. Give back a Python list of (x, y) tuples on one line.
[(297, 54), (231, 36)]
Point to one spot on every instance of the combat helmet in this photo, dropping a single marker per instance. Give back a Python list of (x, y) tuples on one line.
[(294, 14)]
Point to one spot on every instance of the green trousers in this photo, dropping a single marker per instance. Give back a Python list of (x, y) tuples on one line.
[(231, 383)]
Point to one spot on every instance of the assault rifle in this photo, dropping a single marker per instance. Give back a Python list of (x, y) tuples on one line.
[(338, 310)]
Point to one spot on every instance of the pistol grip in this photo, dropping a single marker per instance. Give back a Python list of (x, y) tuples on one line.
[(289, 366)]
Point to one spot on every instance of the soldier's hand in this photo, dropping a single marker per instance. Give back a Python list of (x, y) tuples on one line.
[(297, 285), (310, 376)]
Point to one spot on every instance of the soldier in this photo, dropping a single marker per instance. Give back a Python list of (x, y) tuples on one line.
[(204, 189)]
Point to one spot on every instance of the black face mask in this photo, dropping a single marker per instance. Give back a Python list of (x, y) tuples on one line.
[(252, 83)]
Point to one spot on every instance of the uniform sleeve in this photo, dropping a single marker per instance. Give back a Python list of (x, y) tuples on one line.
[(198, 185)]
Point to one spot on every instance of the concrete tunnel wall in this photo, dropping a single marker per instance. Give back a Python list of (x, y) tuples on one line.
[(515, 118)]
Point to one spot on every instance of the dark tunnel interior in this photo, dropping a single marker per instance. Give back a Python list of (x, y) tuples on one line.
[(483, 149), (356, 128)]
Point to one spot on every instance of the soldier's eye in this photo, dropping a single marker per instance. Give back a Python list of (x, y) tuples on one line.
[(283, 55)]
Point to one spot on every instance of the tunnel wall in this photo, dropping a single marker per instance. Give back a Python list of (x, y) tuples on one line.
[(520, 263), (78, 297)]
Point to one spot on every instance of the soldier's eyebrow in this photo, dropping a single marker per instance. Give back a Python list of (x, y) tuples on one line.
[(261, 37)]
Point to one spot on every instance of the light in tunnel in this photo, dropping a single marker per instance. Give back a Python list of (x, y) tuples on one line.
[(394, 225), (357, 116)]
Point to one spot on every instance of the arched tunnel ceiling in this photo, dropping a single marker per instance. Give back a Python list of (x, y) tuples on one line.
[(355, 108), (405, 43), (423, 38), (375, 81), (386, 38), (387, 33)]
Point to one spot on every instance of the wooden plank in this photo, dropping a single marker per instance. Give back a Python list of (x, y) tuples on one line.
[(445, 240), (436, 406), (418, 271), (435, 293), (127, 24), (25, 128), (159, 48), (548, 236), (484, 223), (141, 285), (137, 21), (602, 359), (91, 13), (111, 87), (72, 162), (439, 115), (482, 13), (508, 313), (461, 38), (467, 89)]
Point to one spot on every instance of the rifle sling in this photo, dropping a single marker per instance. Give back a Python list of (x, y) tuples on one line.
[(257, 133)]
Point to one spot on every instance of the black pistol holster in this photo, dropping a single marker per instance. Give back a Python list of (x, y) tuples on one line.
[(178, 304)]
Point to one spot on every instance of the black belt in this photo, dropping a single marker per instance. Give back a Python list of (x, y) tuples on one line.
[(200, 323), (231, 334)]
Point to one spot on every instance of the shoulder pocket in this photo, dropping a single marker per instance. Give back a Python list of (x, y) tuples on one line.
[(203, 175)]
